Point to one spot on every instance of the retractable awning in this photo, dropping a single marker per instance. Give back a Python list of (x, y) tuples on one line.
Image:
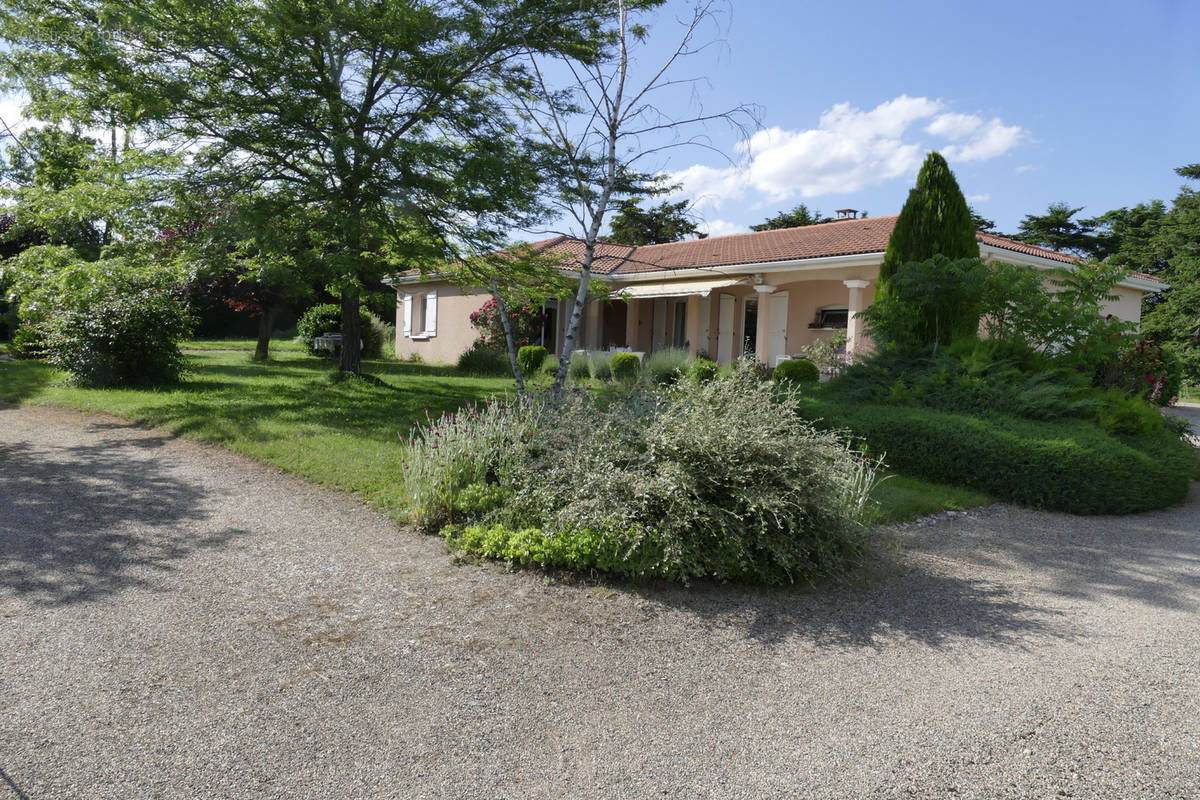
[(642, 291)]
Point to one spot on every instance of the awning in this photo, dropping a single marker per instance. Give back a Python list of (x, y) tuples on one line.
[(642, 291)]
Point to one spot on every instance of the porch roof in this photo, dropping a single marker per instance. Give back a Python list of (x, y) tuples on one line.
[(643, 290)]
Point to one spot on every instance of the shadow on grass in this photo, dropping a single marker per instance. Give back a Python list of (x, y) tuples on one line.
[(22, 379), (80, 523)]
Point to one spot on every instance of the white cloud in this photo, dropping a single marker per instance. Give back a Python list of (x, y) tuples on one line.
[(10, 112), (978, 198), (849, 150), (1025, 168), (721, 227)]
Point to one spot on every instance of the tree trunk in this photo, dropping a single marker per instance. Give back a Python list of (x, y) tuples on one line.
[(351, 360), (502, 310), (266, 322), (564, 359)]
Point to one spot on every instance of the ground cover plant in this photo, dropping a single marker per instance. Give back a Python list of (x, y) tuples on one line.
[(720, 480)]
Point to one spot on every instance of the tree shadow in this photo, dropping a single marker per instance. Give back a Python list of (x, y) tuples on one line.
[(81, 523), (890, 597)]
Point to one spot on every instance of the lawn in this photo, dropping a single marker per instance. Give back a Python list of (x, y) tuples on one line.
[(277, 345), (292, 413)]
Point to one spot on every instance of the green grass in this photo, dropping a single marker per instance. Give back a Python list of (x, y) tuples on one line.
[(277, 345), (903, 498), (1189, 394), (289, 412), (286, 411)]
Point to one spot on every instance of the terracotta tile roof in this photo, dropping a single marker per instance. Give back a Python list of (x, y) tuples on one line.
[(839, 238)]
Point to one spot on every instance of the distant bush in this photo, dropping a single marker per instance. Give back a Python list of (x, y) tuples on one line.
[(720, 480), (481, 359), (327, 318), (625, 368), (703, 370), (600, 366), (1066, 465), (797, 371), (530, 358), (579, 368), (664, 367)]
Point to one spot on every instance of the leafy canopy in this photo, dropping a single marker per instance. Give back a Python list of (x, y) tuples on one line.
[(798, 217)]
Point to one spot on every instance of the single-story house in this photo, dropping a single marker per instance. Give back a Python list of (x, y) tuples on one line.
[(769, 293)]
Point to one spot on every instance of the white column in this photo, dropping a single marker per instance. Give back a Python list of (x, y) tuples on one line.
[(762, 335), (854, 325)]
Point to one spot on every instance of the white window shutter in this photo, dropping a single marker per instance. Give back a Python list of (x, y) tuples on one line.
[(431, 314), (408, 315)]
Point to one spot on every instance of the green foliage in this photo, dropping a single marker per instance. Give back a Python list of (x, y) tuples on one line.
[(935, 220), (600, 366), (929, 303), (703, 370), (1174, 253), (118, 327), (666, 222), (531, 357), (664, 367), (1143, 370), (828, 353), (797, 371), (327, 318), (479, 359), (1065, 465), (798, 217), (718, 480), (625, 368), (1119, 413), (525, 321)]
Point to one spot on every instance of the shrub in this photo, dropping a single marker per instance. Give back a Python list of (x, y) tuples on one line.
[(579, 367), (625, 368), (127, 336), (797, 371), (1068, 465), (1131, 416), (703, 370), (722, 480), (600, 366), (664, 367), (1143, 369), (480, 359), (531, 357), (327, 318)]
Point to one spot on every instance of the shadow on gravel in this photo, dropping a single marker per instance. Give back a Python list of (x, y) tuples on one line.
[(84, 522), (888, 599)]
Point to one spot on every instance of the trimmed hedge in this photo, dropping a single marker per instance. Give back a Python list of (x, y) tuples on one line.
[(625, 367), (1067, 465), (531, 357), (797, 371)]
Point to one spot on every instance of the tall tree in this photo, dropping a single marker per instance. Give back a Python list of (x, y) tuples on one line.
[(599, 133), (390, 119), (1176, 319), (665, 222), (1127, 236), (798, 217), (982, 223), (1058, 229), (935, 220)]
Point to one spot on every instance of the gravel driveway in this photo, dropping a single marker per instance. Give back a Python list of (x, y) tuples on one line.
[(177, 621)]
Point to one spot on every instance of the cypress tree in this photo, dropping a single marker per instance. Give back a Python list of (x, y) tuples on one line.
[(935, 220)]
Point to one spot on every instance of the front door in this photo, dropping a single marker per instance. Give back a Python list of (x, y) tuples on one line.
[(777, 326), (725, 330)]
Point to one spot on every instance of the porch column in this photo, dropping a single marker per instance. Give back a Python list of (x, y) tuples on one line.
[(592, 324), (693, 325), (762, 335), (854, 325), (632, 307)]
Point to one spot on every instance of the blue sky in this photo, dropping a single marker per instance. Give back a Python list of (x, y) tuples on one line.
[(1032, 103)]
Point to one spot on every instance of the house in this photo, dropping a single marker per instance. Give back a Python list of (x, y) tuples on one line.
[(769, 293)]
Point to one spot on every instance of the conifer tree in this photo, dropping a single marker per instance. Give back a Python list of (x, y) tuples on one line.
[(935, 220)]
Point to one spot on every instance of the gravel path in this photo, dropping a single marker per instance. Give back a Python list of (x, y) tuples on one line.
[(179, 622)]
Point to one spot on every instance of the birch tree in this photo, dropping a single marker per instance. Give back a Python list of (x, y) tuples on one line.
[(602, 131)]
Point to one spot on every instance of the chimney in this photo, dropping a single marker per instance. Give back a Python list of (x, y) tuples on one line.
[(847, 213)]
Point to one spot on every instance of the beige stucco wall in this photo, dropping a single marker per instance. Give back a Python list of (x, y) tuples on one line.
[(1127, 306), (454, 333)]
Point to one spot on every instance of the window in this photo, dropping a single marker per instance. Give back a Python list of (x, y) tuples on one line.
[(831, 317), (679, 328), (420, 315)]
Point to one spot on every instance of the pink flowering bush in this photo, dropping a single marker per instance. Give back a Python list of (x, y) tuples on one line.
[(526, 322), (1141, 368)]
